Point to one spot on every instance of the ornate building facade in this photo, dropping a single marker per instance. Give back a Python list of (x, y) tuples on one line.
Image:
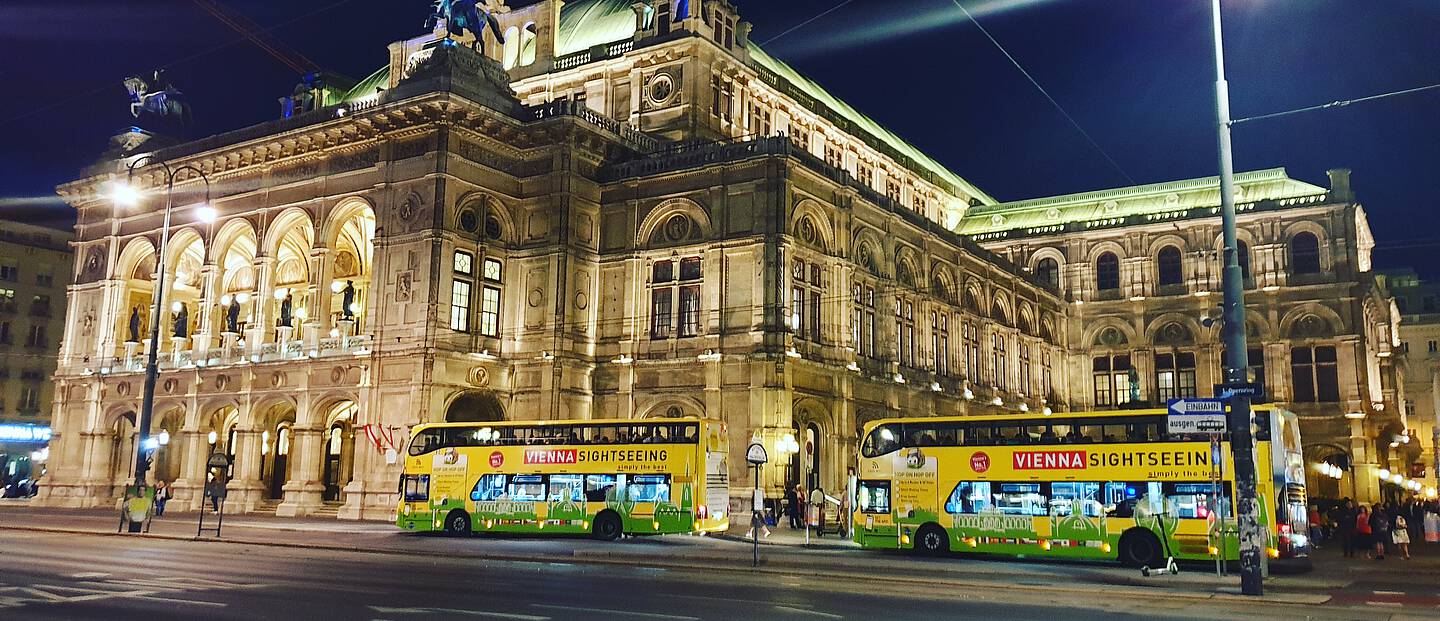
[(35, 266), (1140, 268), (627, 209)]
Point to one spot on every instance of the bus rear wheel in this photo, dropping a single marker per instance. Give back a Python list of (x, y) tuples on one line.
[(457, 523), (1141, 548), (607, 527), (931, 540)]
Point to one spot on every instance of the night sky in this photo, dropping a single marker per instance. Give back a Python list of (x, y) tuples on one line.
[(1136, 74)]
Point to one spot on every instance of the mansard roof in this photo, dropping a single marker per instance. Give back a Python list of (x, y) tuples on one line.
[(1119, 204), (587, 23)]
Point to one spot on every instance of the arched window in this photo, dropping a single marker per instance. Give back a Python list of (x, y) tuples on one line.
[(1304, 254), (1107, 272), (512, 47), (1048, 271), (527, 45), (1170, 268), (1242, 254)]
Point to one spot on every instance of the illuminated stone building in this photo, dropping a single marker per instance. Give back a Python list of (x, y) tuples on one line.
[(1140, 268), (628, 211), (35, 264)]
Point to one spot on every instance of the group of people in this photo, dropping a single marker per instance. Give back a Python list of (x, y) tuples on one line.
[(1375, 530), (797, 503)]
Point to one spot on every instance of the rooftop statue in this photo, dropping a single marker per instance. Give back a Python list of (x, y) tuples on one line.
[(465, 15), (156, 98)]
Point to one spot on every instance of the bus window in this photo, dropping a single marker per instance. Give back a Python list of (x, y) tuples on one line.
[(1072, 498), (650, 488), (660, 434), (1122, 496), (1020, 499), (1197, 500), (596, 486), (882, 440), (425, 441), (873, 497), (527, 488), (979, 436), (416, 487), (969, 497), (691, 433), (489, 487), (566, 486)]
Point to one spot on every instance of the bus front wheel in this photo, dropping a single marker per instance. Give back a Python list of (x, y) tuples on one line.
[(1141, 548), (607, 526), (931, 540), (457, 523)]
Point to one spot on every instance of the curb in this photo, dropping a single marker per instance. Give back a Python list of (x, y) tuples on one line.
[(769, 567)]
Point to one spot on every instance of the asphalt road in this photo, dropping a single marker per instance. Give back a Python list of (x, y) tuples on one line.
[(69, 576)]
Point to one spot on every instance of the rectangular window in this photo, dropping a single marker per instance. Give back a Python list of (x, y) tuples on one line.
[(1430, 347), (940, 342), (7, 300), (1025, 365), (29, 398), (863, 328), (1314, 376), (490, 312), (806, 290), (37, 337), (689, 311), (722, 98), (1111, 375), (5, 336), (493, 270), (865, 173), (1069, 498), (9, 270), (45, 279), (464, 263), (1047, 374), (999, 360), (690, 268), (1174, 375), (660, 313), (892, 189), (566, 487), (461, 291), (800, 136), (971, 333), (1256, 356), (833, 156), (873, 497)]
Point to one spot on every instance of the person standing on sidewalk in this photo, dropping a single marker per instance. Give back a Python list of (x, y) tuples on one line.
[(1344, 518), (1400, 535), (1362, 531), (792, 506), (162, 495), (1380, 531), (817, 504)]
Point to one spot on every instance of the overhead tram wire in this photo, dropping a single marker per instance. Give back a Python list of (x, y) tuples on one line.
[(1335, 104), (806, 22), (179, 61), (1044, 92)]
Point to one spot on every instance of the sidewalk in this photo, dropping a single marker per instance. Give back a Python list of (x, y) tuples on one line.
[(794, 537), (784, 553)]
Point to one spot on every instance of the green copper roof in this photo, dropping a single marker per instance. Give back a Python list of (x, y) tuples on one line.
[(812, 89), (1260, 185), (370, 85), (587, 23)]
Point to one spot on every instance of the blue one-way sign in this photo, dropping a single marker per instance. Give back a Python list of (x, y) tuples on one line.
[(1197, 415)]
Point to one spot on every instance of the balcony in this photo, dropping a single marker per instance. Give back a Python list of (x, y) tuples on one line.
[(229, 356)]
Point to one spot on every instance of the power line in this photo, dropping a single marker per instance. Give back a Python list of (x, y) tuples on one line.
[(806, 22), (1334, 104), (1042, 90)]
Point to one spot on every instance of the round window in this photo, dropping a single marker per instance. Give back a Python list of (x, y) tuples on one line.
[(469, 222), (661, 88)]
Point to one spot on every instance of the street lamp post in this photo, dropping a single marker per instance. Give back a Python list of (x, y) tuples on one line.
[(1237, 363), (127, 195)]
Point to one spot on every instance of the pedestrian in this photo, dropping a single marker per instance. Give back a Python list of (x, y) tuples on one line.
[(1380, 531), (1316, 531), (817, 504), (792, 506), (162, 495), (1362, 531), (1400, 535), (1344, 518)]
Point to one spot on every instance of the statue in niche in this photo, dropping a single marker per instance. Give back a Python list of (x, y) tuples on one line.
[(347, 300), (232, 317), (134, 325), (285, 310), (182, 321), (461, 16)]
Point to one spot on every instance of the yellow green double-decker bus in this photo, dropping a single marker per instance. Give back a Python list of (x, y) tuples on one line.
[(1103, 485), (602, 478)]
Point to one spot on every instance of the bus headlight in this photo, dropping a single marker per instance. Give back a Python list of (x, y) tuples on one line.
[(1274, 553)]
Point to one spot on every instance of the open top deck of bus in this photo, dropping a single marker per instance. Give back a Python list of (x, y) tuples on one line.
[(1034, 417)]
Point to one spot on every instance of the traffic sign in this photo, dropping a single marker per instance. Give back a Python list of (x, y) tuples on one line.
[(1197, 416), (217, 460), (756, 454), (1254, 391)]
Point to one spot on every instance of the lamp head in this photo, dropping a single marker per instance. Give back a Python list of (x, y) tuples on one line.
[(124, 195), (205, 213)]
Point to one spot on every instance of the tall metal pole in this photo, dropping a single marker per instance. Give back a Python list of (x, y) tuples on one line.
[(1237, 363), (152, 365)]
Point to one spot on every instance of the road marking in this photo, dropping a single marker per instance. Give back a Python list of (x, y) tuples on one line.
[(1388, 592), (802, 611), (456, 612), (1386, 604), (89, 574), (176, 600), (625, 613)]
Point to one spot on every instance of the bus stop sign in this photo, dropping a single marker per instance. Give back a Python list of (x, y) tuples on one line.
[(756, 454), (1197, 416)]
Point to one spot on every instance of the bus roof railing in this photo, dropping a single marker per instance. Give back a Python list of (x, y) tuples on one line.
[(563, 423), (1034, 417)]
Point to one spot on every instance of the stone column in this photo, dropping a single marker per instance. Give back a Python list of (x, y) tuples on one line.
[(262, 319), (246, 491), (303, 490), (1363, 467), (189, 488), (204, 335)]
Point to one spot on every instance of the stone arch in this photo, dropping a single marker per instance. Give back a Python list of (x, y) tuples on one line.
[(1296, 324), (475, 406), (280, 230), (662, 226), (942, 283), (1000, 311), (1045, 258), (867, 244), (1173, 329), (1047, 329), (1169, 239), (1101, 247), (136, 252), (907, 275), (486, 206), (1025, 319), (813, 431), (664, 407), (970, 300), (821, 235), (168, 464), (1097, 333)]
